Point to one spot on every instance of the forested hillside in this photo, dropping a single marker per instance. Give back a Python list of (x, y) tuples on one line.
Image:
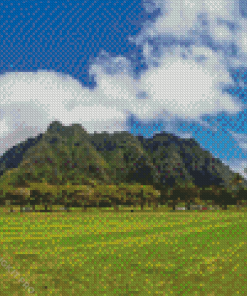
[(114, 169)]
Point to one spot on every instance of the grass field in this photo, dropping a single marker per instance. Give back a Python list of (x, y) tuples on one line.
[(125, 253)]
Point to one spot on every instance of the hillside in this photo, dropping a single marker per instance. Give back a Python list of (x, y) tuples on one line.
[(68, 154)]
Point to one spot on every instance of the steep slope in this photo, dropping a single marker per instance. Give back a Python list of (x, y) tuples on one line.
[(13, 156), (63, 153), (184, 160), (127, 158), (69, 154)]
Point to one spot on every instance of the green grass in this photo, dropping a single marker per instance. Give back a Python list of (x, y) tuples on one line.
[(126, 253)]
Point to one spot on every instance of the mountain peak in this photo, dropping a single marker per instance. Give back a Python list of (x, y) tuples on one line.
[(164, 159), (56, 126)]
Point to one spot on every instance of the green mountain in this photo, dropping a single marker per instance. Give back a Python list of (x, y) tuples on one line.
[(69, 155)]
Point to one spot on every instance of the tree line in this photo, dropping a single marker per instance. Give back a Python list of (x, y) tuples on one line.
[(102, 195)]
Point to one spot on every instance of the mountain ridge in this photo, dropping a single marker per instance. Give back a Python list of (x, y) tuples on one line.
[(69, 154)]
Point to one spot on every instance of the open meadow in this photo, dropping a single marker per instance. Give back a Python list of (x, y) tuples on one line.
[(103, 252)]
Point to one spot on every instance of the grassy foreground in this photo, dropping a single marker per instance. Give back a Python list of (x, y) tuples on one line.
[(101, 252)]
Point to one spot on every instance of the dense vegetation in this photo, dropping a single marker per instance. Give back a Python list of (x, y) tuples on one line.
[(67, 166)]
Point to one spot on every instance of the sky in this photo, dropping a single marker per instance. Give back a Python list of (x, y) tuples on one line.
[(137, 66)]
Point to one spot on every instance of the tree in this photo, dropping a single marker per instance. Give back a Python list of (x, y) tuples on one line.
[(241, 195), (236, 181), (225, 198), (209, 193)]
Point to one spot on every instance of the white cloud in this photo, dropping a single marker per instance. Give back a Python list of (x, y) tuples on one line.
[(241, 37), (241, 139), (187, 88), (179, 85), (30, 101)]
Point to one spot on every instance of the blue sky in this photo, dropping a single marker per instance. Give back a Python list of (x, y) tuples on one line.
[(138, 66)]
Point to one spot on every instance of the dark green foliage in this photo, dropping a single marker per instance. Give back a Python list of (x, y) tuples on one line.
[(179, 169)]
